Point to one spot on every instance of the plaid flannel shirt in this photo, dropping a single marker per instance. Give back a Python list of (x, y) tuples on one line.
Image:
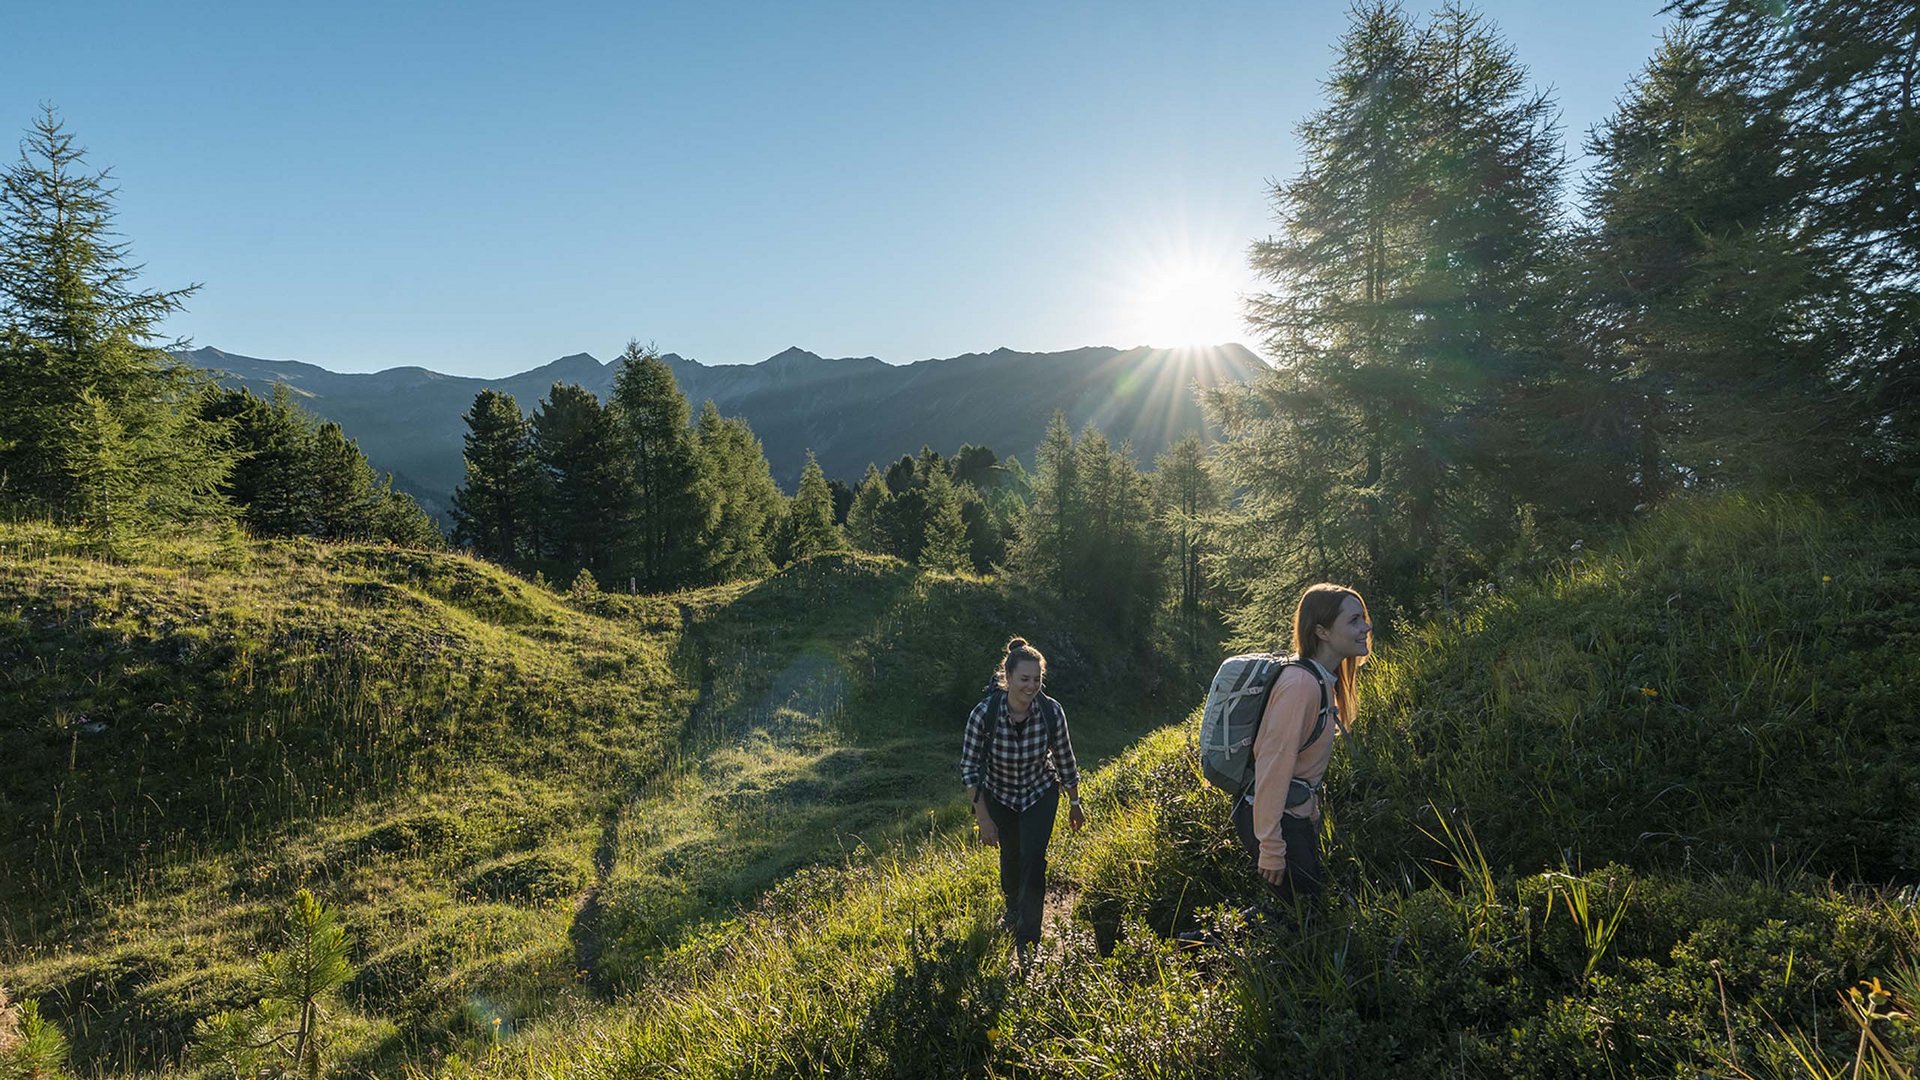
[(1025, 758)]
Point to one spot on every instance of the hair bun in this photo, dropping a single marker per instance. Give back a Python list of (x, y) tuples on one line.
[(1016, 643)]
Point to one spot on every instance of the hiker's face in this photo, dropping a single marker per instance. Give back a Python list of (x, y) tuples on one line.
[(1023, 680), (1350, 633)]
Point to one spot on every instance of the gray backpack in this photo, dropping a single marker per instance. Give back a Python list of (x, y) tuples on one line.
[(1235, 703)]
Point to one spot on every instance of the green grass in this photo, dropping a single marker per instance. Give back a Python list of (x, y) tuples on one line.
[(1558, 843), (516, 799), (1498, 907)]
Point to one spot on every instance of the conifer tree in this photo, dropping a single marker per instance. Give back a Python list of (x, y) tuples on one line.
[(1185, 495), (1049, 533), (294, 476), (268, 482), (343, 490), (741, 499), (494, 507), (584, 480), (74, 326), (652, 420), (1410, 317), (1845, 76), (947, 547), (284, 1032), (865, 516), (812, 526), (1703, 293)]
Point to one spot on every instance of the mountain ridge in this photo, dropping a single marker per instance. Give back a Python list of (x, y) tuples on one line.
[(848, 411)]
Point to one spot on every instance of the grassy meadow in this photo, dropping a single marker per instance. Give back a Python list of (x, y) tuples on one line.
[(514, 798), (1649, 814)]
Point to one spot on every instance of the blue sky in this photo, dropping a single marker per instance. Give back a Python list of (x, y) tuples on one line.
[(480, 188)]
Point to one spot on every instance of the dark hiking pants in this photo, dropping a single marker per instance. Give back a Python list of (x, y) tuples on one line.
[(1304, 875), (1023, 859)]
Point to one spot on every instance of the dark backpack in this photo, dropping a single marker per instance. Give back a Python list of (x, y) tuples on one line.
[(996, 700)]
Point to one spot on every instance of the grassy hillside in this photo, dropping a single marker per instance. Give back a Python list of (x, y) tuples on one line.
[(515, 798), (1509, 898)]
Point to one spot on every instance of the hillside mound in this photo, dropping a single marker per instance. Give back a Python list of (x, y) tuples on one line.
[(1733, 687), (1461, 937), (506, 792)]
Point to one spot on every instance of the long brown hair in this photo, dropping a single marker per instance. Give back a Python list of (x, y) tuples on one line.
[(1320, 606)]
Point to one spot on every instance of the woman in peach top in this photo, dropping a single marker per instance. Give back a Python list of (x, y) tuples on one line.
[(1278, 822)]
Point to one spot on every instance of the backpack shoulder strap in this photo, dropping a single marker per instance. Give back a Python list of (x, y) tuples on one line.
[(1320, 717), (996, 700)]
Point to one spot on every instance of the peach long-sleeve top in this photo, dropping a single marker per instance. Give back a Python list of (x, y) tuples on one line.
[(1278, 757)]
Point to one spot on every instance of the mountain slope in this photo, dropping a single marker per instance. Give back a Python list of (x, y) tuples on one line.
[(848, 411)]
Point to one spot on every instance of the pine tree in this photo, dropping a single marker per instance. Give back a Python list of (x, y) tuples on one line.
[(1048, 536), (742, 501), (289, 1021), (652, 417), (865, 516), (812, 526), (1410, 317), (294, 476), (73, 324), (343, 491), (493, 509), (1185, 495), (946, 547), (139, 467), (585, 483), (1845, 76), (1704, 295)]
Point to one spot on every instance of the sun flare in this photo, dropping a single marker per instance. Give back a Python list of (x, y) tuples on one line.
[(1188, 306)]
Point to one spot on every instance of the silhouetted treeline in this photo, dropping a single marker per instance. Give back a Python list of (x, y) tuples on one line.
[(100, 427), (1468, 375)]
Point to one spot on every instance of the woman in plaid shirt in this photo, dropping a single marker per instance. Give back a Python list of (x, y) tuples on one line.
[(1015, 759)]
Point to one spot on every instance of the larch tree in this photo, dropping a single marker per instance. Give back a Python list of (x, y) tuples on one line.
[(84, 383)]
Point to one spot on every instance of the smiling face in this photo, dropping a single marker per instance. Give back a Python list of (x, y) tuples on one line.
[(1024, 678), (1348, 634)]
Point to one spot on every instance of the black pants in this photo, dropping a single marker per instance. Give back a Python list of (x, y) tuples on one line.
[(1304, 876), (1023, 859)]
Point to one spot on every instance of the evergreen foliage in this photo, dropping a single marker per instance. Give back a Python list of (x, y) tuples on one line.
[(1705, 293), (1185, 497), (584, 483), (1410, 320), (811, 516), (947, 545), (1842, 76), (97, 422), (865, 516), (1089, 533), (651, 417), (495, 509), (286, 1027), (31, 1046), (742, 502), (1050, 531), (296, 476)]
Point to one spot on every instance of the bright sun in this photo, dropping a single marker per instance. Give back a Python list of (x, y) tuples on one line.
[(1185, 306)]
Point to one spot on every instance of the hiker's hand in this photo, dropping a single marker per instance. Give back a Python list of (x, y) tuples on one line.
[(1273, 877), (983, 821), (1076, 817)]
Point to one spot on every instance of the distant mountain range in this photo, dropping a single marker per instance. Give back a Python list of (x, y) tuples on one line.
[(847, 411)]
